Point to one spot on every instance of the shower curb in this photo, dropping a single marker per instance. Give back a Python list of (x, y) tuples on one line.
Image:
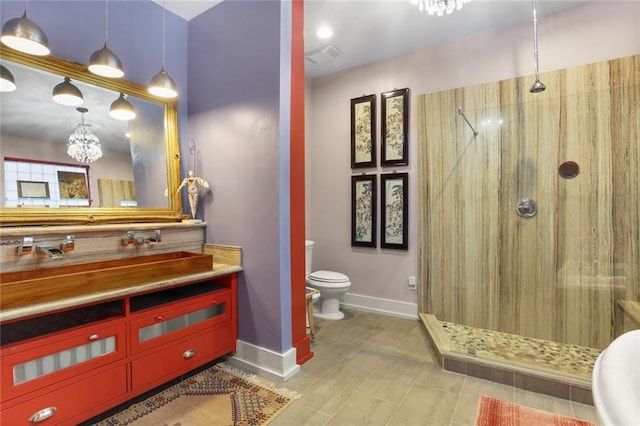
[(557, 385)]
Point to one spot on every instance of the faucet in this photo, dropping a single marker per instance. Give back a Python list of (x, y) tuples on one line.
[(58, 252), (25, 246), (53, 252), (128, 239), (156, 238), (131, 238)]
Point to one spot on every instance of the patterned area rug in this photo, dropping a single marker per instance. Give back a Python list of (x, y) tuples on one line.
[(219, 396), (493, 412)]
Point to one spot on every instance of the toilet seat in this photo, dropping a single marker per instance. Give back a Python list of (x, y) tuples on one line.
[(328, 279)]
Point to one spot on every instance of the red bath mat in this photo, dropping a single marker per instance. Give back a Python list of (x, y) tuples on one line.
[(494, 412)]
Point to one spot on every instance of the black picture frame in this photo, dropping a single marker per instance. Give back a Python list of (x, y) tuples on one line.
[(394, 127), (364, 190), (394, 189), (363, 132)]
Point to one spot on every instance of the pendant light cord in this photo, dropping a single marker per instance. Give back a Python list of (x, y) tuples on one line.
[(164, 32), (106, 21)]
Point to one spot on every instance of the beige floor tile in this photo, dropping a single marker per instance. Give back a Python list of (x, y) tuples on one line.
[(433, 376), (472, 388), (300, 382), (330, 394), (415, 346), (365, 362), (544, 402), (585, 412), (298, 414), (325, 356), (393, 381), (425, 406), (361, 409)]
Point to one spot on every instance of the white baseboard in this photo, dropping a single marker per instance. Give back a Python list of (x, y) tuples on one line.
[(380, 306), (265, 361)]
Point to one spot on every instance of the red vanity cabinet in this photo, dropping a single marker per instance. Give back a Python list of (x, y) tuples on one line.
[(171, 339), (66, 367), (87, 396), (28, 367)]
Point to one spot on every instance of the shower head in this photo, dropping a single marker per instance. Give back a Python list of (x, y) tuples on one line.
[(537, 86)]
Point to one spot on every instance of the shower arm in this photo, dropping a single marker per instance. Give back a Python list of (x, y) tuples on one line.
[(460, 112)]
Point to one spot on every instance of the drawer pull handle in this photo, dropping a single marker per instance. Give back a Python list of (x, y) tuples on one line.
[(43, 414), (159, 318), (188, 354), (93, 337)]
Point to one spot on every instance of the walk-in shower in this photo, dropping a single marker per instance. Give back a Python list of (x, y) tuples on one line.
[(505, 283)]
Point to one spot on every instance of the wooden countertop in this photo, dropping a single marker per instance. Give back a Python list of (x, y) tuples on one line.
[(42, 308)]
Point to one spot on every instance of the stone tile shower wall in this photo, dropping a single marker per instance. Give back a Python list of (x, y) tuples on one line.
[(558, 275)]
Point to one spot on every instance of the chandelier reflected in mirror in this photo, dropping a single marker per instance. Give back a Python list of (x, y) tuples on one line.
[(83, 145), (439, 7)]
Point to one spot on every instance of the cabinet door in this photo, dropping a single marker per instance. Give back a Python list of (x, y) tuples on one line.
[(90, 394), (170, 361), (165, 324), (30, 366)]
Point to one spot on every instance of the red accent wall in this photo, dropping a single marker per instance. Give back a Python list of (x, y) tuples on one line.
[(298, 300)]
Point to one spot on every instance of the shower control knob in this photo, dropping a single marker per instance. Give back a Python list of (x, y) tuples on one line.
[(526, 207)]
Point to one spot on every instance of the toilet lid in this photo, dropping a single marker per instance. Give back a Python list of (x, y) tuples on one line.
[(328, 277)]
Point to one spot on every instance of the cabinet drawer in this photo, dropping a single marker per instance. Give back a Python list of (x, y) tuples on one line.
[(169, 362), (70, 401), (28, 367), (162, 326)]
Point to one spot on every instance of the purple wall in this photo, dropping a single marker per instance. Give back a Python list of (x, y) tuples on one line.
[(234, 91), (230, 55)]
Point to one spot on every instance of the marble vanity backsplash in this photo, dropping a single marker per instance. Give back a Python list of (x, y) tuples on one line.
[(95, 242)]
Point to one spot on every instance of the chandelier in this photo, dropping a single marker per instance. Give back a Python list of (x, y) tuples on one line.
[(439, 7), (83, 146)]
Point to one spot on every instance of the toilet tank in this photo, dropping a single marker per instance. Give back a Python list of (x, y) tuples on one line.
[(308, 256)]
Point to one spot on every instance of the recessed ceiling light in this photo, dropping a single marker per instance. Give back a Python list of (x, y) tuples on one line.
[(324, 32)]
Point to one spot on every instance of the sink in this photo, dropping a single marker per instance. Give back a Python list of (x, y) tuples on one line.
[(616, 381), (33, 286)]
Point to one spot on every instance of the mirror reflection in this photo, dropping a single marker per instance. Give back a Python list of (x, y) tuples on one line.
[(112, 170), (37, 130)]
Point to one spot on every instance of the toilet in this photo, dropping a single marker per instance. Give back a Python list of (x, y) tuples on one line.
[(331, 285)]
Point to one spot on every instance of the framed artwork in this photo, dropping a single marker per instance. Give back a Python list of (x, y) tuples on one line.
[(363, 210), (395, 210), (395, 125), (73, 185), (363, 132), (28, 189)]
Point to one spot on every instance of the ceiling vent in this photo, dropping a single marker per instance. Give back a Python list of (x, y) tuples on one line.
[(322, 54)]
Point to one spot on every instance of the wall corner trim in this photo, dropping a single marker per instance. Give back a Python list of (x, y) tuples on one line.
[(265, 361)]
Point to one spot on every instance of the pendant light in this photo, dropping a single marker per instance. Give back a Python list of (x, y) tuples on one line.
[(25, 35), (103, 61), (121, 109), (66, 93), (7, 83), (162, 84)]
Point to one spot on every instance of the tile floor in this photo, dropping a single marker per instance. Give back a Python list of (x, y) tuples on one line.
[(372, 369)]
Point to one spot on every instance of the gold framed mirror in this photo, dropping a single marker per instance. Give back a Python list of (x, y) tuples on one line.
[(136, 176)]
